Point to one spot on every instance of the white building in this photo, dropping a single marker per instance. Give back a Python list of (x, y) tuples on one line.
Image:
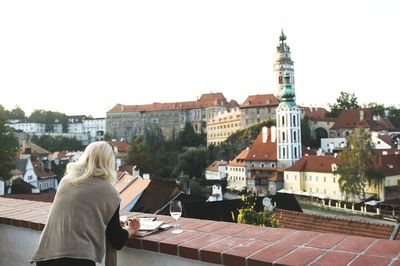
[(29, 127), (236, 172), (95, 127), (29, 175), (329, 145), (216, 171)]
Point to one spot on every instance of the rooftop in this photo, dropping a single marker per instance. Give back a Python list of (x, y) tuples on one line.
[(219, 242)]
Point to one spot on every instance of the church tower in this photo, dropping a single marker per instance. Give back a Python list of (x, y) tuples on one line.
[(282, 64), (288, 113)]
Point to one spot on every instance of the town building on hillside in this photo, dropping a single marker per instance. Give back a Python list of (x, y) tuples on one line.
[(95, 127), (222, 126), (351, 119), (314, 176), (82, 128), (320, 125), (258, 108), (122, 149), (237, 173), (128, 121), (262, 164), (216, 171)]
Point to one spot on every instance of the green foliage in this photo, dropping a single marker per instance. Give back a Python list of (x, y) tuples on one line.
[(240, 141), (357, 165), (343, 102), (394, 116), (57, 143), (248, 215), (8, 146), (306, 137), (169, 158), (49, 118), (192, 162)]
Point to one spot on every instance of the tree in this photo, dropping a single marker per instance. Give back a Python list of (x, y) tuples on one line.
[(306, 137), (343, 102), (357, 166), (192, 162), (16, 113), (8, 146)]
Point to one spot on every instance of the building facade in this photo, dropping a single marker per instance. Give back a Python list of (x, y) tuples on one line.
[(222, 126), (168, 119), (258, 108)]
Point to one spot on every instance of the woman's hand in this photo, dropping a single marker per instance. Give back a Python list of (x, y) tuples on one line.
[(133, 227)]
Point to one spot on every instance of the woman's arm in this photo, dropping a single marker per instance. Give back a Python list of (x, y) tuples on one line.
[(115, 233)]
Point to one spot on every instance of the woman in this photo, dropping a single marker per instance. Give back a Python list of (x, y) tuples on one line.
[(85, 213)]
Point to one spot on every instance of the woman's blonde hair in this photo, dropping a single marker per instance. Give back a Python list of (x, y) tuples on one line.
[(98, 160)]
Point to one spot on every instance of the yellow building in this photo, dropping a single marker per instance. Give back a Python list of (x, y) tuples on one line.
[(313, 176), (222, 126)]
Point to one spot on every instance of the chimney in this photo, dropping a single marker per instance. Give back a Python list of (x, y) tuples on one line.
[(273, 134), (264, 135), (361, 115)]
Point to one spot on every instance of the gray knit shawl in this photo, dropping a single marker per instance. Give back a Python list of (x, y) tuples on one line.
[(77, 222)]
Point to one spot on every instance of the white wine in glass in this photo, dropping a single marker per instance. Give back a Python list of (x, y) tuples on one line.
[(175, 209)]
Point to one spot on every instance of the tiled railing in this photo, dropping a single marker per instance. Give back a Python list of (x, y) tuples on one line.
[(205, 241)]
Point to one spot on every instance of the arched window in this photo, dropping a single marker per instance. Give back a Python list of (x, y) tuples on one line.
[(294, 120), (284, 152), (295, 152), (283, 120), (295, 136), (283, 136)]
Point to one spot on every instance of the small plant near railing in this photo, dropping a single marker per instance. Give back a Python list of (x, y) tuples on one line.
[(248, 215)]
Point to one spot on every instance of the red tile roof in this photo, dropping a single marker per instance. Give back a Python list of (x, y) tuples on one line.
[(206, 100), (43, 197), (351, 119), (122, 146), (240, 158), (42, 173), (263, 151), (390, 164), (324, 224), (129, 188), (314, 112), (214, 166), (387, 139), (314, 163), (34, 149), (260, 100)]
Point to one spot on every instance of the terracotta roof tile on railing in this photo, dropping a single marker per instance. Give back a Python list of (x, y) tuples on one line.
[(234, 244), (310, 222)]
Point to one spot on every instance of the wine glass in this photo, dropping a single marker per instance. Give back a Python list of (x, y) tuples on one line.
[(175, 209)]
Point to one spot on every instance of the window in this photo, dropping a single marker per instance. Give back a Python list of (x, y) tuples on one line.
[(262, 165), (324, 178), (283, 136), (316, 178), (334, 180), (294, 120), (283, 120), (295, 152), (284, 152), (295, 136)]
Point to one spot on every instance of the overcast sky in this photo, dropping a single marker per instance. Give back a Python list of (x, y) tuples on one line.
[(83, 57)]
